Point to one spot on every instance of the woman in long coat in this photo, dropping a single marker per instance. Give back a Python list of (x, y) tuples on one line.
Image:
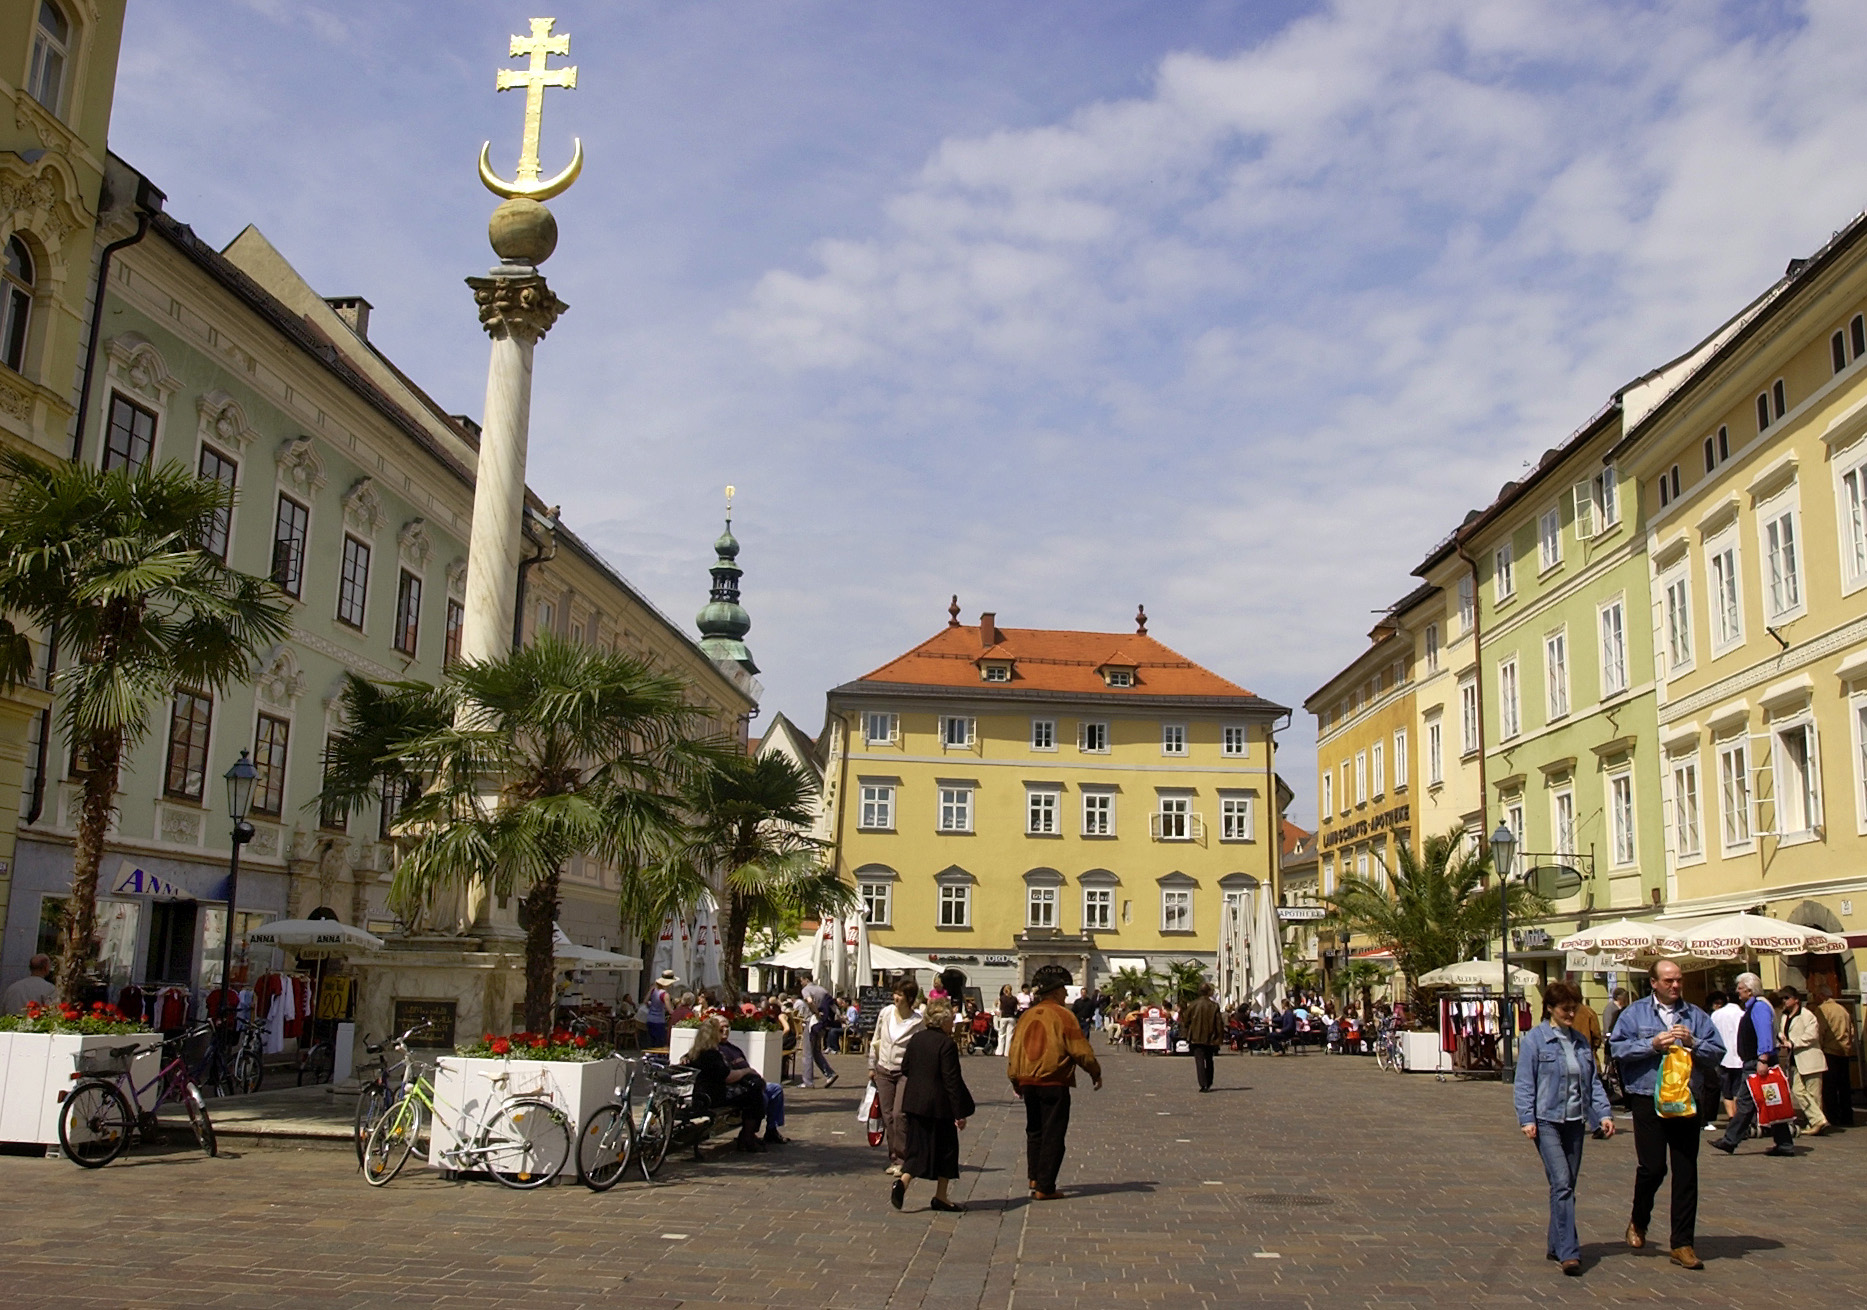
[(936, 1103)]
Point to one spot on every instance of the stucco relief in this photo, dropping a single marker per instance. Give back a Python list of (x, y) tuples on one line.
[(415, 543), (457, 577), (362, 506), (139, 367), (223, 421), (299, 465), (280, 681)]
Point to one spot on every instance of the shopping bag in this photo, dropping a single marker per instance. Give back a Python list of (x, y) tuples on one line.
[(1672, 1091), (868, 1104), (1769, 1088), (874, 1123)]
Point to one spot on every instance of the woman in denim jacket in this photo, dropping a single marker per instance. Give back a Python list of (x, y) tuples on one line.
[(1558, 1094)]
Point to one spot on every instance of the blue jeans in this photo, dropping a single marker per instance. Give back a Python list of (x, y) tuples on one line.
[(1560, 1145)]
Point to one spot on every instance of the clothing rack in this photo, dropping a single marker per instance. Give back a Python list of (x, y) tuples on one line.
[(1470, 1026)]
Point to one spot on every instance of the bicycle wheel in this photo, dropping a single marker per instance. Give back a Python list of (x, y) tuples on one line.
[(371, 1102), (314, 1065), (526, 1144), (390, 1143), (654, 1137), (604, 1147), (197, 1119), (94, 1124), (249, 1070)]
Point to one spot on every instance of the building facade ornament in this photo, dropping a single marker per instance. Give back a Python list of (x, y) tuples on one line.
[(457, 576), (299, 465), (519, 306), (415, 543), (223, 422), (280, 683), (138, 366), (362, 506)]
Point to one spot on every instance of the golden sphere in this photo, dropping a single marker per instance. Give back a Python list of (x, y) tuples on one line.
[(523, 232)]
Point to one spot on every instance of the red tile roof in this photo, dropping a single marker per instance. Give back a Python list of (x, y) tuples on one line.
[(1294, 837), (1052, 661)]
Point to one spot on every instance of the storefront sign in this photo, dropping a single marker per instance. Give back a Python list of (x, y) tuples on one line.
[(1300, 913), (135, 882), (438, 1015), (1398, 817), (166, 880)]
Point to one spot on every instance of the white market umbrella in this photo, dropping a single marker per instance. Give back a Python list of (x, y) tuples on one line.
[(1737, 935), (828, 960), (326, 936), (709, 957), (857, 954), (801, 953), (569, 955), (1266, 953), (673, 949), (1621, 938), (1479, 973)]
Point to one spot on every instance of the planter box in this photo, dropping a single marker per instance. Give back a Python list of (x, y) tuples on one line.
[(36, 1067), (764, 1051), (1422, 1054), (464, 1087), (680, 1042)]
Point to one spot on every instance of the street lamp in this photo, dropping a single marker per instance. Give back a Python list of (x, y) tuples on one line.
[(240, 780), (1503, 853)]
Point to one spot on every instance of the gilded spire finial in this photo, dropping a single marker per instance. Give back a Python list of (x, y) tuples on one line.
[(535, 77), (731, 491)]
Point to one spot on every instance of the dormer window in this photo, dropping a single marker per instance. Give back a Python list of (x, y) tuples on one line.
[(1119, 677), (995, 672)]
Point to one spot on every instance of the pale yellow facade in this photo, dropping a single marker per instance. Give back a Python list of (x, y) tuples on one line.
[(1447, 712)]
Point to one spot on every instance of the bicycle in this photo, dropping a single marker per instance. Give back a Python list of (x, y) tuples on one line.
[(95, 1121), (1388, 1052), (379, 1093), (235, 1060), (608, 1140), (669, 1092), (523, 1143)]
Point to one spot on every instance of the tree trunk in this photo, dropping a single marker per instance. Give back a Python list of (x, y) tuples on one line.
[(738, 912), (541, 907), (102, 757)]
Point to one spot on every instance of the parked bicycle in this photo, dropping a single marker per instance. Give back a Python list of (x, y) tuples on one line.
[(381, 1089), (105, 1103), (234, 1063), (522, 1141), (1389, 1052)]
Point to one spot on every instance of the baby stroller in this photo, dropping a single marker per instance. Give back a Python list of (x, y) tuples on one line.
[(983, 1042)]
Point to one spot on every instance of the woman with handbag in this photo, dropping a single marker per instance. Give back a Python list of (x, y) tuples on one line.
[(1558, 1095), (936, 1103), (893, 1027)]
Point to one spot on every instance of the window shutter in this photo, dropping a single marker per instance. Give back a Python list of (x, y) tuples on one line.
[(1584, 510)]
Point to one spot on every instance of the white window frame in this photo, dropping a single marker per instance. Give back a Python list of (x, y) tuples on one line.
[(1857, 721), (1780, 555), (1174, 819), (889, 724), (1509, 699), (1328, 791), (1043, 734), (955, 810), (1237, 816), (1176, 909), (1556, 673), (1098, 909), (964, 726), (1040, 811), (1234, 741), (1040, 906), (45, 47), (1470, 731), (1503, 574), (1435, 752), (1687, 822), (877, 801), (1173, 739), (1676, 618), (877, 896), (1098, 812), (1468, 605), (1605, 498), (1400, 759), (1736, 821), (1611, 627), (1549, 538), (1562, 819), (1513, 818), (1377, 770), (1432, 648), (1724, 592), (1851, 518), (1088, 731), (1623, 820), (1361, 777), (1807, 776), (955, 905)]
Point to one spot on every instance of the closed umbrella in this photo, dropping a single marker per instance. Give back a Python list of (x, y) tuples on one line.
[(1737, 935), (665, 947), (1266, 953), (709, 954), (856, 939), (829, 951)]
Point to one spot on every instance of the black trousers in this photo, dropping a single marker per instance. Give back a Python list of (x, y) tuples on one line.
[(1838, 1091), (1202, 1064), (1046, 1126), (1659, 1141)]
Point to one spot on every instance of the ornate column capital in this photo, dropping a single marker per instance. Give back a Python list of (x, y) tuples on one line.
[(517, 305)]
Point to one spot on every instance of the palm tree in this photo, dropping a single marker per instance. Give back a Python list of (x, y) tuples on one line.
[(1361, 976), (1132, 984), (751, 817), (1440, 908), (111, 562), (553, 750), (1184, 978)]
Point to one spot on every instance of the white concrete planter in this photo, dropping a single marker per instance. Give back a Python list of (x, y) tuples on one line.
[(680, 1042), (464, 1087), (1422, 1054), (764, 1052), (35, 1068)]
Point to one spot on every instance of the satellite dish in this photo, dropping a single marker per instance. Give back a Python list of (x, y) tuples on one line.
[(1554, 881)]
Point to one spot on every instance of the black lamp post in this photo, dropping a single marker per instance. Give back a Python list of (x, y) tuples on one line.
[(240, 780), (1503, 853)]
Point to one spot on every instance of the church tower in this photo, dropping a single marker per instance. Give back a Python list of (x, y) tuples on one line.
[(723, 622)]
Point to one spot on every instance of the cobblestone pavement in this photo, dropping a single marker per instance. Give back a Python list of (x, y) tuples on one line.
[(1300, 1181)]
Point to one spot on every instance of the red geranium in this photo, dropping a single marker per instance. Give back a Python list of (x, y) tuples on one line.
[(500, 1045)]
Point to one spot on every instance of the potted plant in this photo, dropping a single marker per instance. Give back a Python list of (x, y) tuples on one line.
[(681, 1037), (39, 1051), (577, 1072)]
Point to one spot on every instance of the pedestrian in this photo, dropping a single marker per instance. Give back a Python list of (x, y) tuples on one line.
[(1838, 1046), (819, 1017), (1084, 1008), (1558, 1094), (1617, 1001), (1642, 1034), (1757, 1049), (1587, 1023), (33, 987), (1007, 1017), (1024, 998), (893, 1027), (1204, 1029), (1046, 1051), (655, 1009), (1726, 1015), (936, 1104), (1801, 1036), (719, 1084)]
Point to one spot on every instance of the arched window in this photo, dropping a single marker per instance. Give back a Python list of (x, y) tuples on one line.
[(51, 48), (16, 279)]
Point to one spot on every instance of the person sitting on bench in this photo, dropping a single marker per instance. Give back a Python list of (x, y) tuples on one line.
[(723, 1087)]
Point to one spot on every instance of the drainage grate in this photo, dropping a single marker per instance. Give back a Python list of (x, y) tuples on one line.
[(1286, 1200)]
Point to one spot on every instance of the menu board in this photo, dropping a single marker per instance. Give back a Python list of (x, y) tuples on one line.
[(439, 1015), (871, 1001)]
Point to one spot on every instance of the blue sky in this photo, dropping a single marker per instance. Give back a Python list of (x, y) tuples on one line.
[(1232, 309)]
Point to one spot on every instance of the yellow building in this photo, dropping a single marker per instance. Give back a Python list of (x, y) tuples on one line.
[(1006, 798), (1754, 467), (1441, 618)]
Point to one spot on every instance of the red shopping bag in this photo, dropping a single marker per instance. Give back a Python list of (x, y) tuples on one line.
[(1769, 1088), (870, 1115)]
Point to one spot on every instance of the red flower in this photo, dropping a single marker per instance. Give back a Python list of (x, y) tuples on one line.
[(559, 1036), (583, 1041), (500, 1045)]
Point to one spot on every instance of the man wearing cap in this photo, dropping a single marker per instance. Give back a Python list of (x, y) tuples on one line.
[(1047, 1048)]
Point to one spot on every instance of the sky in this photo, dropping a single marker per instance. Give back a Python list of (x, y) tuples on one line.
[(1231, 309)]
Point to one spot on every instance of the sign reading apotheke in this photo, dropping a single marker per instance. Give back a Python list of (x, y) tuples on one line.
[(1300, 913), (1397, 817)]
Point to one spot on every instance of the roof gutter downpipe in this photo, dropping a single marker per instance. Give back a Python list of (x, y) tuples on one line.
[(148, 199)]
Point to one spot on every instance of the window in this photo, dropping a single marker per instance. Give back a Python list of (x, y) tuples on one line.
[(1176, 910), (1043, 734), (1556, 672), (1432, 648), (547, 618), (1232, 740), (1121, 677), (1860, 764), (289, 528), (407, 613), (130, 436), (1347, 794), (1604, 501), (16, 284), (1468, 715), (1613, 648), (331, 814), (956, 906), (1838, 351), (1562, 820), (1857, 335), (1435, 755), (1098, 909), (395, 795), (1092, 738), (1665, 494), (216, 467), (1621, 818), (1763, 411), (876, 903), (1040, 812), (1468, 605), (879, 729), (997, 673), (1782, 576), (190, 717), (1361, 777), (1676, 602), (1098, 814), (1509, 710), (1734, 791), (1400, 758), (353, 583), (1040, 907), (1549, 538), (1504, 573), (269, 744), (956, 809), (1721, 582), (1377, 766), (1236, 822), (456, 621), (1798, 790), (51, 48), (1779, 396), (956, 732), (1173, 822), (1686, 841), (1513, 819), (878, 806), (1853, 514), (1328, 791), (1173, 739)]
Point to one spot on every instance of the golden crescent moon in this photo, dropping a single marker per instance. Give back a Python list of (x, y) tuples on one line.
[(541, 190)]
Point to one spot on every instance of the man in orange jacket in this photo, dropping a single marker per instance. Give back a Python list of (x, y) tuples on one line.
[(1047, 1048)]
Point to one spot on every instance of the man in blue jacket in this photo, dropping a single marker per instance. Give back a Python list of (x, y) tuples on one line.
[(1643, 1033), (1756, 1047)]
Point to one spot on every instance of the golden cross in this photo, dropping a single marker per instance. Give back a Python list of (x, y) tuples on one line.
[(534, 78)]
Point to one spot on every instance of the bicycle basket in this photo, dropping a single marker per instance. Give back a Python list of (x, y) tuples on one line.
[(102, 1060)]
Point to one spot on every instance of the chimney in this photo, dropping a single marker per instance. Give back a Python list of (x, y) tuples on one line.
[(353, 310), (988, 629)]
